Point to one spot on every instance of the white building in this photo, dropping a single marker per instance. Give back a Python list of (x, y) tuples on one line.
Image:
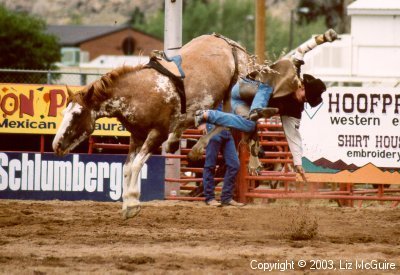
[(369, 55)]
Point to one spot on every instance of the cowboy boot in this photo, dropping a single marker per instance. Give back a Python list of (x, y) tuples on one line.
[(258, 113)]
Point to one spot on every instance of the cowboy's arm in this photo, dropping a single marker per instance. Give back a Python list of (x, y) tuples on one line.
[(329, 36), (291, 127), (298, 56)]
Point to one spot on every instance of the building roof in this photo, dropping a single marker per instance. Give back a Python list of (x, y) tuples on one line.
[(74, 35), (374, 7)]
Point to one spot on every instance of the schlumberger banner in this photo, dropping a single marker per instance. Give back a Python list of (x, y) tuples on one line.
[(353, 136), (74, 177), (36, 109)]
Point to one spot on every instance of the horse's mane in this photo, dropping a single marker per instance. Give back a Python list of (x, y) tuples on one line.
[(99, 89)]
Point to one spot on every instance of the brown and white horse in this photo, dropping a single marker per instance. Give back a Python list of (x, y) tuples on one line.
[(146, 102)]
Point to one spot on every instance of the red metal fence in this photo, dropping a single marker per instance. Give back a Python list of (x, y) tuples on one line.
[(276, 180), (288, 186)]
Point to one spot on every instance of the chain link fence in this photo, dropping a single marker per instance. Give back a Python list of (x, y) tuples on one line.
[(47, 77)]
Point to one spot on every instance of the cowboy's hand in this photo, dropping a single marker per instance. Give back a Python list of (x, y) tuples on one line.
[(299, 169), (330, 35), (203, 127)]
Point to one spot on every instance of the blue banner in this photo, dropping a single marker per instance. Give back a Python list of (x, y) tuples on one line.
[(98, 177)]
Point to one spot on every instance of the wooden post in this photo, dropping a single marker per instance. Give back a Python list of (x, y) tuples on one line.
[(241, 182), (260, 31), (42, 144), (345, 202), (90, 147)]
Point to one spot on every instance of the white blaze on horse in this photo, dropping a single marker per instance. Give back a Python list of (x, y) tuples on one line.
[(147, 103)]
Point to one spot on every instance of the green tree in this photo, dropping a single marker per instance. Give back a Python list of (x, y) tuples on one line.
[(234, 19), (333, 13), (152, 24), (24, 43), (279, 35), (137, 17), (200, 17)]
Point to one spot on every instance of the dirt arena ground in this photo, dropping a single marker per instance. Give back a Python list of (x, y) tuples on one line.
[(169, 237)]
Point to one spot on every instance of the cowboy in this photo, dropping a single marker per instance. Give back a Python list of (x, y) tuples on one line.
[(281, 89), (290, 107), (222, 142)]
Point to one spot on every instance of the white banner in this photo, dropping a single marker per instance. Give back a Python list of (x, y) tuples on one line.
[(354, 128)]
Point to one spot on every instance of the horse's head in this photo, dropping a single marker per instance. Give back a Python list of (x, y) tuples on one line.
[(77, 124)]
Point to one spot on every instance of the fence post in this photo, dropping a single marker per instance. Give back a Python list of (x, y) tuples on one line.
[(241, 182), (41, 144), (90, 148), (345, 187), (83, 79), (48, 77)]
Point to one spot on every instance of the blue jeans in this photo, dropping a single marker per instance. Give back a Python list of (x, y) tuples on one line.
[(231, 121), (260, 100), (222, 142)]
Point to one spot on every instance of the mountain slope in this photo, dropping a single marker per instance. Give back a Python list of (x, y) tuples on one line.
[(110, 12)]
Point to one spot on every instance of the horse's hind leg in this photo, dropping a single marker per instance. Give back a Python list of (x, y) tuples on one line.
[(198, 149), (133, 165), (172, 144)]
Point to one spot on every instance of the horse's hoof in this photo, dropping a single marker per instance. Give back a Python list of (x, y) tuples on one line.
[(130, 212), (172, 147), (195, 155)]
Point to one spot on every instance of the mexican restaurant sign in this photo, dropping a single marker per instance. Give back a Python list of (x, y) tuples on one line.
[(36, 109), (353, 136)]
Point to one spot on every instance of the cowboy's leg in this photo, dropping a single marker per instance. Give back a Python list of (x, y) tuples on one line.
[(262, 97), (232, 167), (230, 120), (238, 105), (212, 150), (259, 105)]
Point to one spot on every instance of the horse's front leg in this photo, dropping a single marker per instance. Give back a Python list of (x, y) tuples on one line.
[(131, 192), (172, 144), (130, 200)]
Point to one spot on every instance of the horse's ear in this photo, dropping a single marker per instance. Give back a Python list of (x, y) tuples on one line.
[(70, 93), (88, 95)]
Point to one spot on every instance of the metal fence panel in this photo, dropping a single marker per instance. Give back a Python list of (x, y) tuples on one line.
[(47, 77)]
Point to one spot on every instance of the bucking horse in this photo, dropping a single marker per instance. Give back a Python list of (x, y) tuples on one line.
[(153, 105), (156, 104)]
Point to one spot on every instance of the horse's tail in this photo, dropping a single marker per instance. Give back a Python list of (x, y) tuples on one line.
[(233, 44)]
